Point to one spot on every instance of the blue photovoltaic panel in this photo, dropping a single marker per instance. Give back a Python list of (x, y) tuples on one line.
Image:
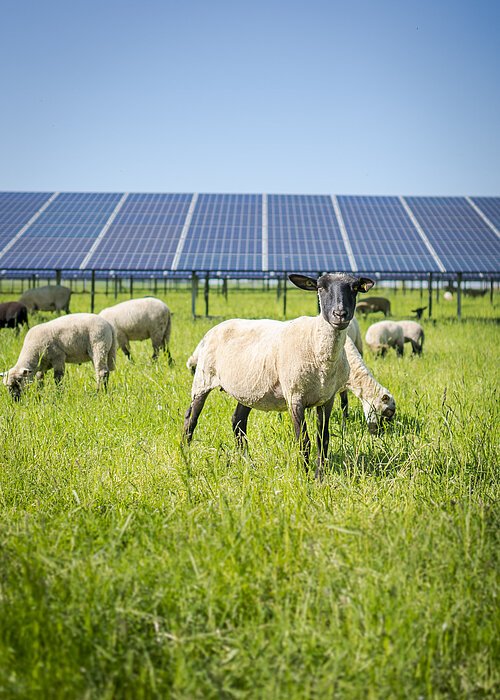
[(382, 236), (304, 234), (460, 237), (64, 233), (225, 234), (144, 235), (490, 206), (16, 209)]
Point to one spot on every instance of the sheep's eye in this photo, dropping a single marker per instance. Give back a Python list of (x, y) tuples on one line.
[(385, 397)]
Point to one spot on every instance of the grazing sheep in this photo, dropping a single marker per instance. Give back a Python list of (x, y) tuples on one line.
[(53, 297), (374, 304), (75, 339), (378, 402), (139, 319), (413, 333), (280, 365), (13, 314), (384, 335)]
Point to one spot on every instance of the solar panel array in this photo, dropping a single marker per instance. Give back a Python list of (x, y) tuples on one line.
[(248, 233)]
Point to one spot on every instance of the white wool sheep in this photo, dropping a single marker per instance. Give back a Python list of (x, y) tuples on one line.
[(378, 402), (384, 335), (139, 319), (75, 339), (354, 333), (275, 365), (413, 333), (52, 297)]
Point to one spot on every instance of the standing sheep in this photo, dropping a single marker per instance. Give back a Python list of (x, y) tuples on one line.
[(13, 314), (75, 339), (52, 297), (374, 304), (378, 402), (280, 365), (413, 333), (139, 319), (384, 335)]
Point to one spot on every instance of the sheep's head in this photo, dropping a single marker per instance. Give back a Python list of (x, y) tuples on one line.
[(337, 294), (380, 410), (15, 379)]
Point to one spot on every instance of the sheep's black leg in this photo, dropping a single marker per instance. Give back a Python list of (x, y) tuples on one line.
[(344, 404), (192, 415), (300, 427), (239, 421), (323, 437)]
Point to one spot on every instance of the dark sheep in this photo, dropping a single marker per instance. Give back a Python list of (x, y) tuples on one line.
[(13, 315)]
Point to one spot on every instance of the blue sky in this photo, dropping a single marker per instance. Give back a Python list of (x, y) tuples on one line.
[(348, 97)]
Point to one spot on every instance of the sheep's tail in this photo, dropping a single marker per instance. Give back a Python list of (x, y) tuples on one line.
[(192, 363), (112, 350)]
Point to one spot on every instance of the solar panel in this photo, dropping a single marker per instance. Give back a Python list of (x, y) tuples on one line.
[(225, 234), (144, 234), (460, 237), (304, 235), (382, 235), (16, 209), (490, 206), (63, 234)]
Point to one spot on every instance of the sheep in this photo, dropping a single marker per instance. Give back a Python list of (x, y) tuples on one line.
[(13, 314), (419, 311), (53, 297), (279, 365), (378, 402), (74, 339), (413, 333), (139, 319), (384, 335), (374, 304)]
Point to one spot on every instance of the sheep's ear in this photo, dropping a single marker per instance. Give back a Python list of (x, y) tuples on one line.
[(364, 284), (303, 282)]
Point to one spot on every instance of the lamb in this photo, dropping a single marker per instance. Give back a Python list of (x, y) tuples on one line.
[(13, 314), (74, 339), (413, 333), (139, 319), (374, 304), (279, 365), (384, 335), (52, 297), (378, 402)]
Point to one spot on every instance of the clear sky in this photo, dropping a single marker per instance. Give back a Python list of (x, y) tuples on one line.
[(351, 97)]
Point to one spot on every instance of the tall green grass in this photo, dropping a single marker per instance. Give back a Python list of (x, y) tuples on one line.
[(133, 567)]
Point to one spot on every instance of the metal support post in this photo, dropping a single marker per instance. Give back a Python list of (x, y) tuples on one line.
[(429, 303), (92, 292), (459, 296), (284, 295), (206, 293)]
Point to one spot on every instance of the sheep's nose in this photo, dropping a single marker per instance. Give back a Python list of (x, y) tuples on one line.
[(340, 315)]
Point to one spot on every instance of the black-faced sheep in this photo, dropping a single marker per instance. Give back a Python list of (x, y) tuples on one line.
[(378, 402), (13, 314), (52, 297), (275, 365), (139, 319), (75, 339), (384, 335)]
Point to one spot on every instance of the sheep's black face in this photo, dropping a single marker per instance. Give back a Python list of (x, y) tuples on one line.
[(337, 296)]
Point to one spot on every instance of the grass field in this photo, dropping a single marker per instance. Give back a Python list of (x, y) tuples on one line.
[(131, 567)]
